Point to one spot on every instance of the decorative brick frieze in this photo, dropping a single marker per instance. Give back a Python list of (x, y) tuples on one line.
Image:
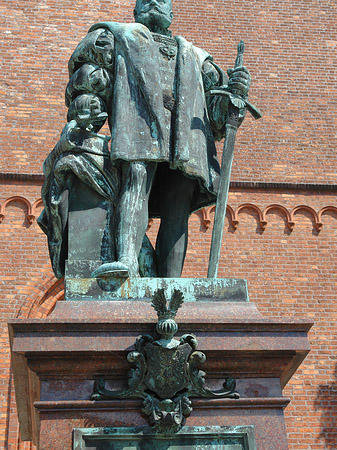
[(262, 214), (206, 213)]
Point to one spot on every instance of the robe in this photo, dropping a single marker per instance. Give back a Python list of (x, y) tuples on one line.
[(119, 64), (136, 109)]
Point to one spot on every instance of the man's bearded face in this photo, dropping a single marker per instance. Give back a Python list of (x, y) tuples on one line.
[(154, 13)]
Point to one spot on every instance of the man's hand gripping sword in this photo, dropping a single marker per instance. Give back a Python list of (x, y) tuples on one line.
[(236, 102)]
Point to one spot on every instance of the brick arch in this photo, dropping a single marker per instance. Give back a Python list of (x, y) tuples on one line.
[(250, 207), (31, 209), (326, 209), (45, 293), (18, 199), (317, 224), (282, 209), (205, 216)]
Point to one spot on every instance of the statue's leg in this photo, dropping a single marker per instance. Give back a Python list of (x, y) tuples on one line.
[(176, 191), (132, 213), (131, 219)]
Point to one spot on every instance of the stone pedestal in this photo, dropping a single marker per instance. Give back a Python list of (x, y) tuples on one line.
[(56, 360)]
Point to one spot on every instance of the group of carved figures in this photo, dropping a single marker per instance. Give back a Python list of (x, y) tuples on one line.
[(162, 161)]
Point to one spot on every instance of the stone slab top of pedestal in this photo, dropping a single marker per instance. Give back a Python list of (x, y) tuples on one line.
[(110, 288), (139, 316)]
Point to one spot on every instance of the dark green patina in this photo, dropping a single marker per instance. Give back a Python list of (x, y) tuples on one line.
[(152, 89), (189, 438)]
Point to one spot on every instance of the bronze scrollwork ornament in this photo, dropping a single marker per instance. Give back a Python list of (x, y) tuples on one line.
[(166, 373)]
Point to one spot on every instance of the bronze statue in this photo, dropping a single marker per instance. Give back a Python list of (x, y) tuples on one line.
[(152, 89)]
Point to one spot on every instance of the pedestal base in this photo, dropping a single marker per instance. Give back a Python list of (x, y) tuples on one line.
[(55, 363)]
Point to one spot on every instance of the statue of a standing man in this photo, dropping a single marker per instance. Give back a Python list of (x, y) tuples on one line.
[(163, 128)]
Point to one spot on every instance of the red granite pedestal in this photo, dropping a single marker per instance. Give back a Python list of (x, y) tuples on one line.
[(56, 360)]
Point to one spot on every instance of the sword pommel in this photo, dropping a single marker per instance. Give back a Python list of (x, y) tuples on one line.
[(239, 58)]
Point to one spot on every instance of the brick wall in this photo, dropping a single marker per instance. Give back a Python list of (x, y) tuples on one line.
[(288, 44), (287, 253)]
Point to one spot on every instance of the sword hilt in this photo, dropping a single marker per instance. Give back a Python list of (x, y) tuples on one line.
[(234, 98), (239, 58), (255, 112)]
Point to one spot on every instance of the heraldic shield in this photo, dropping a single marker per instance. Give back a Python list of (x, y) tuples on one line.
[(166, 372), (167, 369)]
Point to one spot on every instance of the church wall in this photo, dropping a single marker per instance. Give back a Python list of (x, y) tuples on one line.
[(286, 253)]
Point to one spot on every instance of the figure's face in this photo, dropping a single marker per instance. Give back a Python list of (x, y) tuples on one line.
[(154, 13)]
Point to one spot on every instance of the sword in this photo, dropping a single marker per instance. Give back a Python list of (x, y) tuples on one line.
[(235, 103)]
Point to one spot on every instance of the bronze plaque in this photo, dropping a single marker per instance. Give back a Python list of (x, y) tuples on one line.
[(143, 438)]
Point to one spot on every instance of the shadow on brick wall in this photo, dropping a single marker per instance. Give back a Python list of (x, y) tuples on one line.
[(326, 402)]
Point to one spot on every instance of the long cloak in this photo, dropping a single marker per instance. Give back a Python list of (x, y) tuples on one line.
[(137, 110)]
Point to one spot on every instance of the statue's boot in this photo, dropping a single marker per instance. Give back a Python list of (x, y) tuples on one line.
[(146, 262), (116, 269), (112, 269)]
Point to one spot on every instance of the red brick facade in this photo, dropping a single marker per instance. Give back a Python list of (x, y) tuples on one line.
[(287, 252)]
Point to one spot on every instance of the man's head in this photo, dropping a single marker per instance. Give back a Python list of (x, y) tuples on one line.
[(154, 13)]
